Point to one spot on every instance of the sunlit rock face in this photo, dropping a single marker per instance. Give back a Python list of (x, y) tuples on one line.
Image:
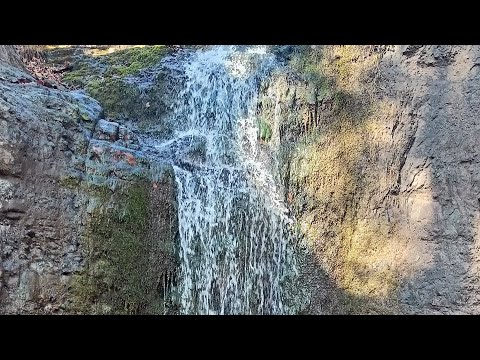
[(378, 153)]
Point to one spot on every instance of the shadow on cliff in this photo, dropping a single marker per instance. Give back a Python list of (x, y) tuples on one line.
[(324, 295)]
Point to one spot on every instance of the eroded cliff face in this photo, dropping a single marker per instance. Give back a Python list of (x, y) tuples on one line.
[(377, 152), (87, 220)]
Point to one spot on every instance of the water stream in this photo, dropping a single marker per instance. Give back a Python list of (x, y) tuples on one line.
[(235, 234)]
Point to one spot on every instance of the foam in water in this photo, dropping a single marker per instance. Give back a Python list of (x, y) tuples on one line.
[(235, 238)]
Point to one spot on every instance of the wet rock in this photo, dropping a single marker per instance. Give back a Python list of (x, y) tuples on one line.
[(106, 130), (127, 138), (114, 161)]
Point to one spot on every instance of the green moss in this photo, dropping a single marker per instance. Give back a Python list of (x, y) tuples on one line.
[(121, 63), (264, 130), (84, 70), (99, 190), (118, 98), (103, 78), (118, 277), (131, 61), (306, 62), (84, 293)]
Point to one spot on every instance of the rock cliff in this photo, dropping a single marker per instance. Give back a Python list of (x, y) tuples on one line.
[(375, 148), (86, 218)]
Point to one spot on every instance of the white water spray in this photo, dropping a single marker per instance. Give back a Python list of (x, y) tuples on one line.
[(235, 235)]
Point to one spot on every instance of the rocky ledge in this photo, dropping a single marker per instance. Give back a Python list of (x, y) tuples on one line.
[(77, 199)]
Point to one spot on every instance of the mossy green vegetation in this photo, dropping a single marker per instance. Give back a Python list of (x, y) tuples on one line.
[(70, 181), (132, 60), (264, 130), (118, 98), (119, 277), (121, 63), (81, 74), (102, 74), (306, 62)]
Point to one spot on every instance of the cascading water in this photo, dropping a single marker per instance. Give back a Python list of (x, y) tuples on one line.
[(235, 236)]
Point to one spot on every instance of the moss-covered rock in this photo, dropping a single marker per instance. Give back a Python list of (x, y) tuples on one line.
[(70, 181), (132, 60), (116, 253), (124, 271), (104, 72), (118, 98)]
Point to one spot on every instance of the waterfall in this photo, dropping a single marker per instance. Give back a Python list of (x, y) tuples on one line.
[(235, 235)]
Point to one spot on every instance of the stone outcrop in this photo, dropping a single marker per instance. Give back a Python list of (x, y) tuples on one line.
[(378, 154), (10, 56), (63, 167)]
